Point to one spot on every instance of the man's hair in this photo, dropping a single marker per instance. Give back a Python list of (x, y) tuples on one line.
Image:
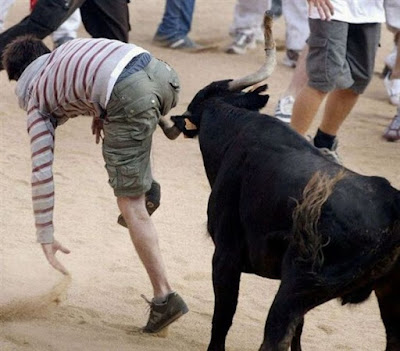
[(20, 53)]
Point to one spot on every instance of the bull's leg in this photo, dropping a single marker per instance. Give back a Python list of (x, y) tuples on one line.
[(226, 278), (297, 294), (296, 344), (388, 294), (285, 315)]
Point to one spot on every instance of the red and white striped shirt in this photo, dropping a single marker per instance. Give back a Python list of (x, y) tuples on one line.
[(75, 79)]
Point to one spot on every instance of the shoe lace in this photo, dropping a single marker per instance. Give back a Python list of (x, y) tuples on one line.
[(150, 304), (286, 105)]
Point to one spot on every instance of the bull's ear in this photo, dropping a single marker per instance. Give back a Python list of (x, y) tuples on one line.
[(260, 89), (180, 123), (251, 101)]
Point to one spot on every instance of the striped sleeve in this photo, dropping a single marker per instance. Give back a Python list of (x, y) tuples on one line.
[(41, 133)]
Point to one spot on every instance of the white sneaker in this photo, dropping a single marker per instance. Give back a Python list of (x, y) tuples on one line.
[(243, 40), (390, 59), (284, 108), (393, 89)]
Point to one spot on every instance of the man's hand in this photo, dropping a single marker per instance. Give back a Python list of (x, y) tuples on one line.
[(97, 127), (324, 7), (50, 253)]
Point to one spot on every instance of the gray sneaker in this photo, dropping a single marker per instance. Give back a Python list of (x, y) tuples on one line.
[(164, 314), (184, 44), (243, 40), (331, 154)]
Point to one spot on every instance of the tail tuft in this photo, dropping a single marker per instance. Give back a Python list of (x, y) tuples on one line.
[(306, 216)]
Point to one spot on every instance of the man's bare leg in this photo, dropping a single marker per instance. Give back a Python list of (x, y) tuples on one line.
[(145, 239), (338, 106), (396, 69), (299, 78), (305, 108)]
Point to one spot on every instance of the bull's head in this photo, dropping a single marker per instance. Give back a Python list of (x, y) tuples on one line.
[(228, 90)]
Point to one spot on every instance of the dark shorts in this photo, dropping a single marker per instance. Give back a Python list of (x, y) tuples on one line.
[(341, 55), (135, 106)]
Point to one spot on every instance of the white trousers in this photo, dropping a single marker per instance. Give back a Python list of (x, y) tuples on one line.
[(69, 28), (248, 15), (392, 12), (295, 13), (4, 7)]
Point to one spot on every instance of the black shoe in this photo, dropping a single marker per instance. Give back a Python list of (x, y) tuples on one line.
[(153, 197), (162, 315)]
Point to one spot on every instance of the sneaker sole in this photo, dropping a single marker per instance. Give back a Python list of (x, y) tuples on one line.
[(199, 48), (284, 119), (167, 322)]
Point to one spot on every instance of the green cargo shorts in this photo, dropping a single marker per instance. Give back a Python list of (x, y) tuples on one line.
[(133, 111)]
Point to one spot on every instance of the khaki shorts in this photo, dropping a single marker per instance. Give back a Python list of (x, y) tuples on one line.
[(135, 106), (341, 55)]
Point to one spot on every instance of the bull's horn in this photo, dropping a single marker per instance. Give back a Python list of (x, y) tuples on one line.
[(169, 129), (267, 68)]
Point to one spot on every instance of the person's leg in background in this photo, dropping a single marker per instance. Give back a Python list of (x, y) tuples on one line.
[(284, 107), (297, 29), (106, 19), (392, 132), (175, 25), (327, 40), (246, 27), (4, 7), (392, 77), (68, 30), (345, 81)]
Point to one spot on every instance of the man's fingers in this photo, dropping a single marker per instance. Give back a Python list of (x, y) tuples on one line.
[(63, 249), (98, 135), (57, 265), (50, 251), (330, 7), (321, 13)]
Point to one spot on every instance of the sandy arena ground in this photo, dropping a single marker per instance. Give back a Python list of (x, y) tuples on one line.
[(101, 308)]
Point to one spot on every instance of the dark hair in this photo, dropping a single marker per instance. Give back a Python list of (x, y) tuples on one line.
[(20, 53)]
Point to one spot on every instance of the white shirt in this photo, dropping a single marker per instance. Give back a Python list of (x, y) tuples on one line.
[(355, 11)]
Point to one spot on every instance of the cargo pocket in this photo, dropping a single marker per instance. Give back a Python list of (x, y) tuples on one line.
[(112, 176), (141, 105), (317, 59), (128, 177), (142, 117)]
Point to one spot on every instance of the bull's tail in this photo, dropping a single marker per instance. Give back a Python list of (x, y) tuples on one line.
[(308, 240)]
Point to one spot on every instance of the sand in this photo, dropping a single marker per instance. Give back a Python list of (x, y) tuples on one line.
[(99, 307)]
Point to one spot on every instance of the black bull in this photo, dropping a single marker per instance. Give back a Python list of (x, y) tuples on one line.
[(280, 210)]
